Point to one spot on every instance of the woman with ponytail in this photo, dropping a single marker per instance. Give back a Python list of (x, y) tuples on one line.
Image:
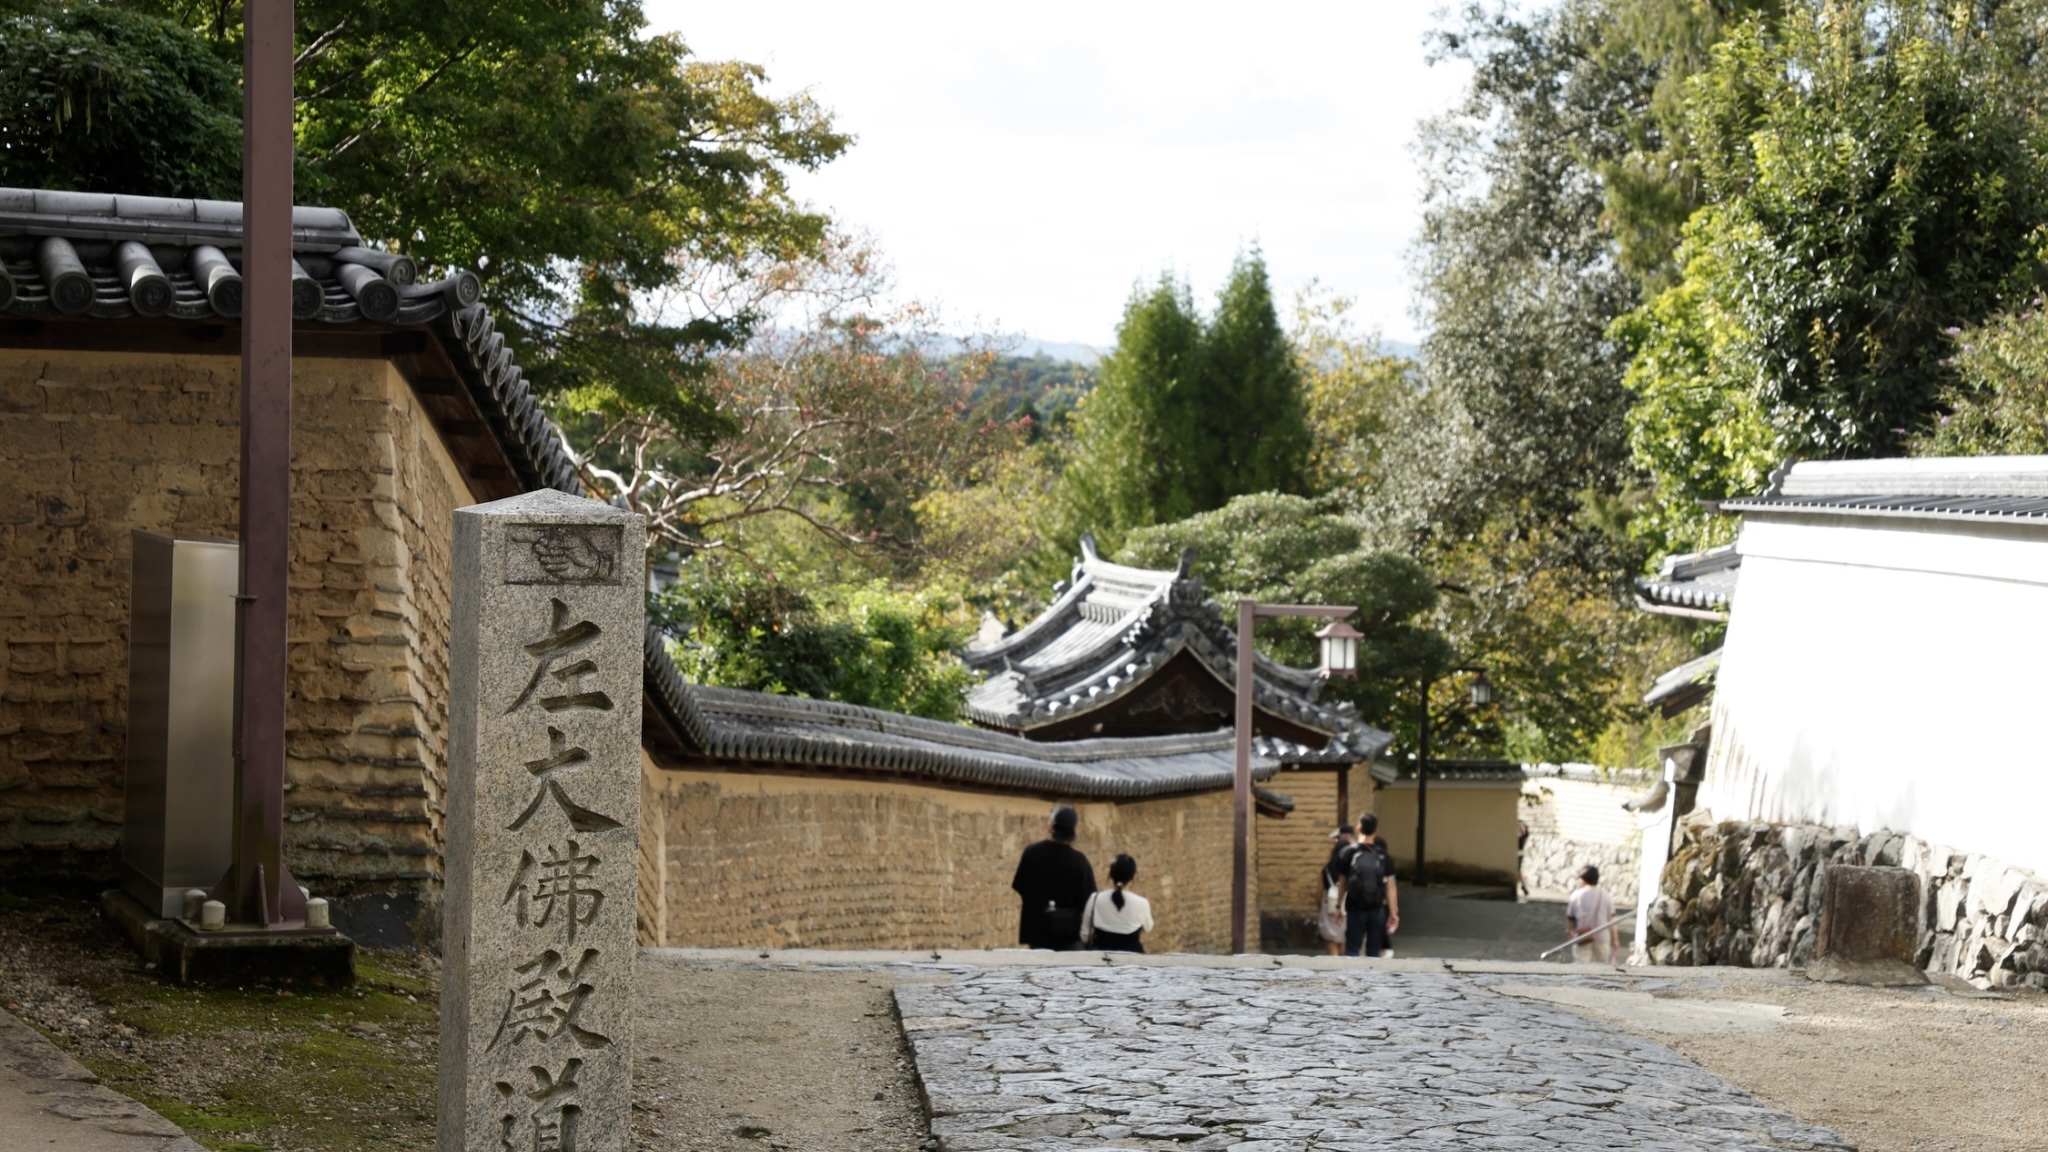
[(1113, 920)]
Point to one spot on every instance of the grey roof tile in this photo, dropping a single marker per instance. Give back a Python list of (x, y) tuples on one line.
[(1679, 688), (726, 724), (1976, 488), (1701, 581)]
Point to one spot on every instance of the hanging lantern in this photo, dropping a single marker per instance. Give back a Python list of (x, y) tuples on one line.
[(1482, 690), (1340, 649)]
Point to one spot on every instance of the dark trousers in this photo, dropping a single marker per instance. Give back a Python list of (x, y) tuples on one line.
[(1366, 929)]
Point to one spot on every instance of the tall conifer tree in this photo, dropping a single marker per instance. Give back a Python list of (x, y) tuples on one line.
[(1132, 432), (1251, 412), (1186, 414)]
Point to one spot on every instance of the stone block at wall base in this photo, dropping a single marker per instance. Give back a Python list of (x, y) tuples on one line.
[(1749, 894), (67, 871), (1871, 973), (1285, 933), (380, 916)]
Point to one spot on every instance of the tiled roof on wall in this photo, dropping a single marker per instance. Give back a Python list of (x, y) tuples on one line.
[(1692, 583), (1980, 488), (112, 257), (79, 256), (730, 725)]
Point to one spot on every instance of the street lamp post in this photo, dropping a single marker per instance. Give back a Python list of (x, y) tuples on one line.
[(1482, 695), (1340, 658)]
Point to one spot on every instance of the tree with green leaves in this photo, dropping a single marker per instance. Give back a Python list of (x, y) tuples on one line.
[(583, 166), (867, 644), (1873, 174), (1125, 467), (95, 97), (1252, 417), (1504, 469), (1353, 387), (1187, 412), (1290, 549), (1517, 273), (1998, 405)]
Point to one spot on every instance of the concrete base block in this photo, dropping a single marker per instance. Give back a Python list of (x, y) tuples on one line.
[(1875, 973), (185, 955)]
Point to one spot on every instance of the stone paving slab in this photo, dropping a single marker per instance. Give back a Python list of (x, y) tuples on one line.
[(1292, 1060), (52, 1103)]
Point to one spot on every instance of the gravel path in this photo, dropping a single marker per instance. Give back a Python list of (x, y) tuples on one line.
[(1933, 1069)]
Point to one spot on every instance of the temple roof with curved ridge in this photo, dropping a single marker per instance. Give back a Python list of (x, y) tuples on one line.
[(1124, 648)]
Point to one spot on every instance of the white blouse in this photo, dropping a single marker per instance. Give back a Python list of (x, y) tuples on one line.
[(1134, 916)]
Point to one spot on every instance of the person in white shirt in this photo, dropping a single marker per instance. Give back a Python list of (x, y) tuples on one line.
[(1590, 907), (1113, 920)]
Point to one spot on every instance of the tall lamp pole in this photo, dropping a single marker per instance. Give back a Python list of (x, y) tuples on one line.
[(1340, 658), (1482, 695)]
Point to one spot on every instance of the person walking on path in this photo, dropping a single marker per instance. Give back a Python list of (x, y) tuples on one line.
[(1330, 913), (1372, 902), (1589, 908), (1521, 846), (1054, 881), (1112, 921)]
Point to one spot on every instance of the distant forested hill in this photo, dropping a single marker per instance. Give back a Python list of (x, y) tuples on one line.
[(1049, 388)]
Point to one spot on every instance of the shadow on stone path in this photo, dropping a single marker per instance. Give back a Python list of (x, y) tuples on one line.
[(1034, 1060)]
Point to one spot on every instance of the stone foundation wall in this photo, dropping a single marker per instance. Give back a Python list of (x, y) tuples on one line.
[(1748, 894), (100, 444), (1575, 818), (740, 859)]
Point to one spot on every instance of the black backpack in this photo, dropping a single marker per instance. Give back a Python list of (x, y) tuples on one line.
[(1368, 879)]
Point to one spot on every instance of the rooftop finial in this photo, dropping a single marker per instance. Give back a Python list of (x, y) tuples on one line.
[(1088, 552), (1776, 487), (1187, 563)]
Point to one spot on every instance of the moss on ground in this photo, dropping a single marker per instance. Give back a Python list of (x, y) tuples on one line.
[(334, 1071), (243, 1070)]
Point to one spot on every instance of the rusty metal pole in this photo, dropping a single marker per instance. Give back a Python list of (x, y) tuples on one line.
[(1422, 790), (1248, 613), (1241, 791), (258, 889)]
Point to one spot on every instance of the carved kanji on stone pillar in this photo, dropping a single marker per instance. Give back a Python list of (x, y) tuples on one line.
[(543, 809)]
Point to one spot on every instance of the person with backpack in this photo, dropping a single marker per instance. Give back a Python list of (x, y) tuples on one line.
[(1372, 902), (1113, 921), (1054, 881)]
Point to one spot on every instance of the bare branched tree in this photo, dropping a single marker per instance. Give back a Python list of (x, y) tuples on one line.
[(839, 413)]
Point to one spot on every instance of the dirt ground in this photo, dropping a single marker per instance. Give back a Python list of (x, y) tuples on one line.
[(734, 1057), (1933, 1069), (726, 1058)]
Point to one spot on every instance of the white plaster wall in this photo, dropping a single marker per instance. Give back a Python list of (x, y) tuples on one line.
[(1575, 818), (1888, 673)]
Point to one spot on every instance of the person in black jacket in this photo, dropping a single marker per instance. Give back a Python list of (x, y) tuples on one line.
[(1054, 881)]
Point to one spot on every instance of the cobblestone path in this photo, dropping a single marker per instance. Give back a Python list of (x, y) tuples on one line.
[(1034, 1060)]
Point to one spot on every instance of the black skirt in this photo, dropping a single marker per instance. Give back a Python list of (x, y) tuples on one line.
[(1116, 942)]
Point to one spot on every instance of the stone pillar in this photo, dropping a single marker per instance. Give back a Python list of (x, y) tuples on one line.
[(543, 815)]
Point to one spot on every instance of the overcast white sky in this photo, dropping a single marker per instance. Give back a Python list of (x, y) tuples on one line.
[(1023, 166)]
